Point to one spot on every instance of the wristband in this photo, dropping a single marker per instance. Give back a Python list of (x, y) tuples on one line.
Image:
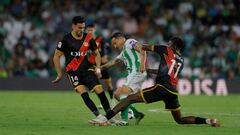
[(98, 70)]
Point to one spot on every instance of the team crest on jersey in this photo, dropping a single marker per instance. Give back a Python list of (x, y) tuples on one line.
[(59, 44), (75, 83), (85, 43), (97, 43)]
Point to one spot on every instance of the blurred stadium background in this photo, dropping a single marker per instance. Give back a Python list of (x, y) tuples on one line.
[(31, 29)]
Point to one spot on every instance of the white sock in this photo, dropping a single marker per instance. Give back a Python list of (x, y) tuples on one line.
[(208, 121)]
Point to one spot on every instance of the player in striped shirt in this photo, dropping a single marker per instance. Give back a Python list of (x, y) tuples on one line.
[(135, 63)]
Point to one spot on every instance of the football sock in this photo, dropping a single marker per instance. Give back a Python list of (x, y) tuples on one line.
[(104, 101), (124, 113), (135, 111), (199, 120), (110, 114), (89, 103), (110, 92)]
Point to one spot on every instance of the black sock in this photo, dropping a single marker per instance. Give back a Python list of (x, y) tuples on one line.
[(104, 101), (90, 103), (199, 120), (110, 114), (110, 92)]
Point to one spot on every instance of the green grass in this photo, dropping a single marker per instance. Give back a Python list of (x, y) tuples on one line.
[(64, 113)]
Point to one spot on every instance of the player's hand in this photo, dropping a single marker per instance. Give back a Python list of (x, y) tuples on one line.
[(98, 73), (142, 68), (58, 79)]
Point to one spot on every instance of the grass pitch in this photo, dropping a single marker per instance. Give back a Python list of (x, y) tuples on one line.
[(64, 113)]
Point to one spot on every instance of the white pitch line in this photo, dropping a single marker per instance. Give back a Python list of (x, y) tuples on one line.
[(196, 113)]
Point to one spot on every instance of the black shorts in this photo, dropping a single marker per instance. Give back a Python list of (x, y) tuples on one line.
[(160, 93), (105, 74), (88, 79)]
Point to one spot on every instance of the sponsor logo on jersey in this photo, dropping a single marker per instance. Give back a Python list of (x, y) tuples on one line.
[(79, 53)]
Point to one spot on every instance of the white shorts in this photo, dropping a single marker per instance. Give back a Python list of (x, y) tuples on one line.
[(135, 81)]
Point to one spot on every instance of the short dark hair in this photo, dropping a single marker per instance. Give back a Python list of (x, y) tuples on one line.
[(117, 34), (91, 25), (177, 43), (78, 19)]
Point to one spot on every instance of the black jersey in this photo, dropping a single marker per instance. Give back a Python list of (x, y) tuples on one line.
[(170, 66), (76, 52), (100, 46)]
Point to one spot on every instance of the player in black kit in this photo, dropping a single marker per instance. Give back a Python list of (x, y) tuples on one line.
[(164, 89), (101, 45), (75, 46)]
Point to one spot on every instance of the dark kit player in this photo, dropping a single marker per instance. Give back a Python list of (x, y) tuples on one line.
[(75, 46), (101, 46), (164, 89)]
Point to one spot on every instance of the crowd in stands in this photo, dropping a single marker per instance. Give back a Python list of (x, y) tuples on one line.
[(31, 29)]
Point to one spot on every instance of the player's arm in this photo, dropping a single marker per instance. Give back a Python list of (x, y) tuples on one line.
[(111, 63), (143, 56), (93, 47), (148, 47), (152, 48), (57, 65), (98, 62), (104, 59), (152, 71)]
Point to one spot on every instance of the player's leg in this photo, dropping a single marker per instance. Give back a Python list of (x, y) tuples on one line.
[(120, 94), (134, 98), (85, 96), (108, 82), (77, 83), (193, 120), (132, 85), (103, 98), (172, 104), (93, 84), (146, 95)]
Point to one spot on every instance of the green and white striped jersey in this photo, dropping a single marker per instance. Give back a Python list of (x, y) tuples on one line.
[(130, 56)]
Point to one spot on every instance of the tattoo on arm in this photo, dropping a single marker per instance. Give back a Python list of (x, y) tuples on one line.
[(110, 63)]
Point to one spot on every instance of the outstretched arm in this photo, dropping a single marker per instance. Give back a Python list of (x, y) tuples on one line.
[(147, 47), (110, 63), (144, 47), (143, 57), (152, 71), (57, 64)]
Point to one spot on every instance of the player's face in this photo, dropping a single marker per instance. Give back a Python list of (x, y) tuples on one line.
[(170, 43), (90, 30), (118, 42), (78, 28)]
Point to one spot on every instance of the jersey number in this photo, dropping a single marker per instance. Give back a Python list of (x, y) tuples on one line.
[(173, 62), (74, 78)]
